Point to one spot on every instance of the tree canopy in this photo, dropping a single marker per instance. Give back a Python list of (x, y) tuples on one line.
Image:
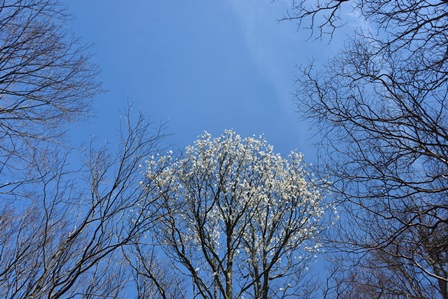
[(236, 218), (381, 107)]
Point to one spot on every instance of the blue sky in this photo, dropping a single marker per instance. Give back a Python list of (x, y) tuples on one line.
[(202, 65)]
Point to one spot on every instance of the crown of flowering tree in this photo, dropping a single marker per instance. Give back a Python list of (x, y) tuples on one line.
[(231, 210)]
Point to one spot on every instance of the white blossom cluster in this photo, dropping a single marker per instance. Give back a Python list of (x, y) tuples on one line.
[(232, 209)]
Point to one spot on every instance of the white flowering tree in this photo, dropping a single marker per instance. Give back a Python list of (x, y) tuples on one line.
[(236, 218)]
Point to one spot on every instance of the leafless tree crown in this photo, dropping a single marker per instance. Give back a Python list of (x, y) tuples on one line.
[(64, 230), (46, 77), (381, 107)]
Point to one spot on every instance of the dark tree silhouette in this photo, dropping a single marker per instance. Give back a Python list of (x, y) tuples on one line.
[(66, 235), (46, 80), (382, 110)]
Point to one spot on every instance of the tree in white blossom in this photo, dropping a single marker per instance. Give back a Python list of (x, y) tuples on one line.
[(235, 217)]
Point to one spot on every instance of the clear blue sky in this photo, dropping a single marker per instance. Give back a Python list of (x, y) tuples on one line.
[(202, 65)]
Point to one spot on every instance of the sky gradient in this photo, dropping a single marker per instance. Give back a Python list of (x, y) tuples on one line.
[(200, 66)]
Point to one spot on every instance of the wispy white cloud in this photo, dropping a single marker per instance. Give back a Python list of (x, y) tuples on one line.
[(275, 47)]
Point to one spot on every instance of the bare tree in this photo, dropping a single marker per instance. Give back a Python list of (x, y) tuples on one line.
[(63, 237), (379, 275), (381, 107), (235, 218), (153, 277), (46, 80), (63, 231)]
